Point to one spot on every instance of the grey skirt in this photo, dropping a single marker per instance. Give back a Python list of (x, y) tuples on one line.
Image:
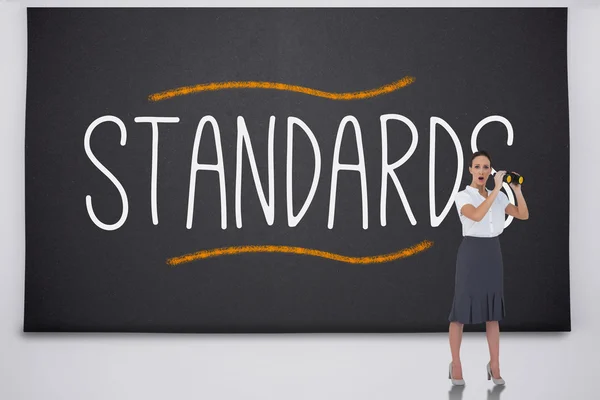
[(478, 284)]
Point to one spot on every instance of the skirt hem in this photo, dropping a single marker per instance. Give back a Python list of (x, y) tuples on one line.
[(478, 309)]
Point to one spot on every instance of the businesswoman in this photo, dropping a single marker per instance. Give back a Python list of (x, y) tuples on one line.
[(479, 288)]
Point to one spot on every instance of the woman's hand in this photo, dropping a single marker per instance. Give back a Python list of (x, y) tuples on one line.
[(514, 185), (498, 179)]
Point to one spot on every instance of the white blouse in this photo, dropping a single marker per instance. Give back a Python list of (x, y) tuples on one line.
[(492, 224)]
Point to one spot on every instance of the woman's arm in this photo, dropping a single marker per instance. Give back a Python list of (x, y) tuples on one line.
[(521, 212), (477, 214)]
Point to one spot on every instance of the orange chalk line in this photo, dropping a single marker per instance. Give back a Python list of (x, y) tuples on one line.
[(207, 87), (227, 251)]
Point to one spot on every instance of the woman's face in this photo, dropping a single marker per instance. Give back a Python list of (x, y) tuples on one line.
[(480, 169)]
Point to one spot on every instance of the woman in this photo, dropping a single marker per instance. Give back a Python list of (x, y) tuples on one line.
[(479, 289)]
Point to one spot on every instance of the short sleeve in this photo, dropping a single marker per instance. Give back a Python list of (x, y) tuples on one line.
[(461, 199), (504, 201)]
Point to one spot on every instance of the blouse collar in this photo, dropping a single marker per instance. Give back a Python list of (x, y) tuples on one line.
[(475, 190)]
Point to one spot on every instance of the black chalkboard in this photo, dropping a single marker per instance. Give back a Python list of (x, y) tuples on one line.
[(97, 76)]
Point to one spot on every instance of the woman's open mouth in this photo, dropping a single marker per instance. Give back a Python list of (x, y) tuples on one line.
[(480, 179)]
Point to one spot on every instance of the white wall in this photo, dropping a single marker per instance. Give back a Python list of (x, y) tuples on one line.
[(286, 367)]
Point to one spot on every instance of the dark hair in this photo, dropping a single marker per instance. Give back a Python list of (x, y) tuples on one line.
[(481, 153)]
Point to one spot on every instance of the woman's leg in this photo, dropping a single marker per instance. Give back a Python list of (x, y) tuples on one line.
[(455, 335), (492, 331)]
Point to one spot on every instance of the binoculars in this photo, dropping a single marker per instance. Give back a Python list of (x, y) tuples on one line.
[(511, 177)]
